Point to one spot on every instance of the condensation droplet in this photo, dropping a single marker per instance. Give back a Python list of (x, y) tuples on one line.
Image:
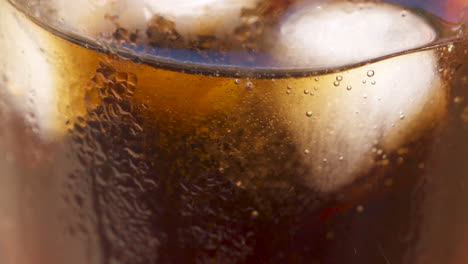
[(370, 73), (349, 87), (306, 91), (237, 81), (254, 213), (309, 113), (360, 208), (458, 99), (364, 96), (288, 91), (402, 116), (336, 83), (289, 86), (316, 79), (339, 78), (364, 81), (325, 160), (315, 88), (306, 151), (373, 82), (238, 183), (341, 158)]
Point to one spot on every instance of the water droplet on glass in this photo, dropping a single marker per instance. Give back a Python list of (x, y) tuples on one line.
[(288, 91), (336, 83), (364, 96), (254, 213), (349, 87), (341, 158), (364, 81), (306, 151), (237, 81), (373, 82), (325, 160), (360, 208), (289, 86), (316, 79), (309, 114), (402, 116), (315, 88), (306, 91), (339, 78), (458, 99), (370, 73)]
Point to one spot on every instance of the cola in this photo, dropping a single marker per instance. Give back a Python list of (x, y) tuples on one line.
[(234, 132)]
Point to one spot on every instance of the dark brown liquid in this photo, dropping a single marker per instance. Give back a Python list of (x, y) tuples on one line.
[(146, 165)]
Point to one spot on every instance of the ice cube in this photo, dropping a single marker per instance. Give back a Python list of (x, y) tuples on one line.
[(191, 17), (381, 105), (323, 35), (202, 17), (26, 75)]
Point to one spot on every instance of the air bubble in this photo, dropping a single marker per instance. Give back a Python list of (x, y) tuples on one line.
[(339, 78), (370, 73), (249, 86), (450, 48)]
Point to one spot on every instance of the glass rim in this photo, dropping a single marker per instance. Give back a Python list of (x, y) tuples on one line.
[(223, 70)]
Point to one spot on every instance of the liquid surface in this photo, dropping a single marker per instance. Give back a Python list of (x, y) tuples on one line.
[(252, 36)]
